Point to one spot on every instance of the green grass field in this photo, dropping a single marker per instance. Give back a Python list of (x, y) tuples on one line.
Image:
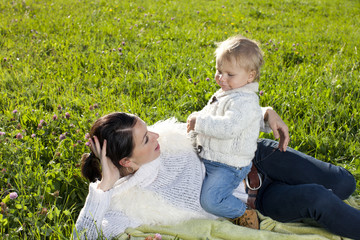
[(64, 63)]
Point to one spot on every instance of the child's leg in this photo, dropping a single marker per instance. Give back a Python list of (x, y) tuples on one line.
[(294, 167), (286, 203), (218, 186)]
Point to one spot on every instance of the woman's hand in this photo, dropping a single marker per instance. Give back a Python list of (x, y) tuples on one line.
[(110, 173), (279, 128)]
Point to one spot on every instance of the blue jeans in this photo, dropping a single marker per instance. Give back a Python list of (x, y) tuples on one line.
[(297, 186), (219, 183)]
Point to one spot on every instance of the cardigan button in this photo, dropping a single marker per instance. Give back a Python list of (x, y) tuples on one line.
[(199, 149)]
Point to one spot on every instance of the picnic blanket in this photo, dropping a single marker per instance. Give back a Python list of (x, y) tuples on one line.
[(224, 229)]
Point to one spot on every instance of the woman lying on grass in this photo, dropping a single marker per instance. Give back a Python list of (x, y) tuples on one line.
[(138, 184)]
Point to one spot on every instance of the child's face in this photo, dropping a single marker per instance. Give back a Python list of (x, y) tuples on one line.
[(229, 75)]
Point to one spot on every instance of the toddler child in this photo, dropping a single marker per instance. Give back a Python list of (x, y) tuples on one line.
[(227, 128)]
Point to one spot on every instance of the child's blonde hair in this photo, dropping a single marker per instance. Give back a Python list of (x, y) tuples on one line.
[(247, 53)]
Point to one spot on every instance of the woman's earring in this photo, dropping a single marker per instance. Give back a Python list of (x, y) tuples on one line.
[(130, 171)]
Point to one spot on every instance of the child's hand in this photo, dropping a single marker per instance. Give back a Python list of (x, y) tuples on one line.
[(191, 123)]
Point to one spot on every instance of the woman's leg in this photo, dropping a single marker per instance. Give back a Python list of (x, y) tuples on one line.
[(216, 193), (293, 167), (285, 203)]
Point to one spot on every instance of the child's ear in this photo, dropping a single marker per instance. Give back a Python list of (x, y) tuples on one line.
[(125, 162), (252, 76)]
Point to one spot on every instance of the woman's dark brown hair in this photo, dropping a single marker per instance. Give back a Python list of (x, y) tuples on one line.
[(117, 129)]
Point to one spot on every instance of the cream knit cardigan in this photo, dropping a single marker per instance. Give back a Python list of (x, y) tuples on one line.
[(164, 191), (228, 126)]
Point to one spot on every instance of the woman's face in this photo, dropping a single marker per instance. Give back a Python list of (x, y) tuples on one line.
[(146, 147)]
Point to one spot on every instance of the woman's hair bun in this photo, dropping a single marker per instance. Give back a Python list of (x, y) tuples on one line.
[(90, 167)]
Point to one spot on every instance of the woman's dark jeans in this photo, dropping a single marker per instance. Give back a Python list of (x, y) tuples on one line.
[(297, 186)]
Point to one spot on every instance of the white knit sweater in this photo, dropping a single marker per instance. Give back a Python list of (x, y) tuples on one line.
[(228, 126), (164, 191)]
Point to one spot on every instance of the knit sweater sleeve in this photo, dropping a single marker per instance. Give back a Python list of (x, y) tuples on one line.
[(95, 220), (236, 118)]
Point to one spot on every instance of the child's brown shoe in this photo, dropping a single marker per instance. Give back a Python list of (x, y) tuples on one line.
[(250, 219)]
